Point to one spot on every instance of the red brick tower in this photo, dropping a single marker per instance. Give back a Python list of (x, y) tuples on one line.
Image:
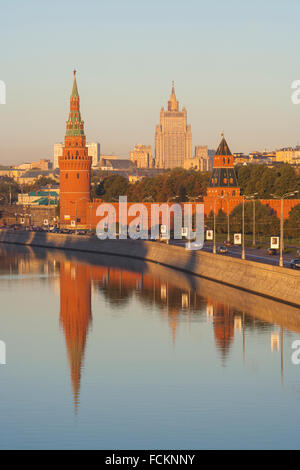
[(223, 187), (75, 169)]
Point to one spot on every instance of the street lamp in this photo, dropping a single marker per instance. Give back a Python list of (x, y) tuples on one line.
[(228, 223), (285, 196), (253, 197), (75, 202), (243, 231)]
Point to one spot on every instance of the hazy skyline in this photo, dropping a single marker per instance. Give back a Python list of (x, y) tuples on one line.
[(232, 62)]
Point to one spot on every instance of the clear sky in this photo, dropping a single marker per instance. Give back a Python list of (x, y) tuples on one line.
[(232, 61)]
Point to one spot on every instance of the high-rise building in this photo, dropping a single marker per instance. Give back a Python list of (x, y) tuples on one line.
[(57, 152), (141, 156), (75, 169), (201, 161), (173, 137), (94, 152), (201, 152)]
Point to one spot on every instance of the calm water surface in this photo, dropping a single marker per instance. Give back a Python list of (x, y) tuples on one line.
[(110, 353)]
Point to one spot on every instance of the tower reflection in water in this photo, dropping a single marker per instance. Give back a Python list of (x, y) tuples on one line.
[(117, 286), (75, 316)]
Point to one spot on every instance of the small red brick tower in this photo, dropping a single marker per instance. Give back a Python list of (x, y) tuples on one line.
[(75, 169), (223, 185)]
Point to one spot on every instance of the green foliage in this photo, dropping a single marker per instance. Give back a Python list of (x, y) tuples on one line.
[(266, 221), (8, 189), (113, 187), (266, 181), (178, 182), (292, 224)]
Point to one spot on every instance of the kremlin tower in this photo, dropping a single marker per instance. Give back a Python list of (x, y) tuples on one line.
[(75, 169), (223, 184)]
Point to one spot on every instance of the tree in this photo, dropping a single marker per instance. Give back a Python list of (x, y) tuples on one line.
[(292, 224), (266, 221), (115, 186)]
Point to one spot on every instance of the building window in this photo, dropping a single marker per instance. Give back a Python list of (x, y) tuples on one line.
[(233, 192), (67, 176), (78, 176)]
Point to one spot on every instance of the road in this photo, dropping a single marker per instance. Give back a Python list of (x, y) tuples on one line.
[(253, 254)]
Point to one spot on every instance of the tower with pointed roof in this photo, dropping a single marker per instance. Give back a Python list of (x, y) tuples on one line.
[(223, 191), (75, 168), (173, 137)]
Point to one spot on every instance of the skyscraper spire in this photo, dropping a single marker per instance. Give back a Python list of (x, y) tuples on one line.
[(173, 104)]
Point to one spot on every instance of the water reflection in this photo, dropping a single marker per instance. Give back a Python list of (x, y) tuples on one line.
[(178, 298)]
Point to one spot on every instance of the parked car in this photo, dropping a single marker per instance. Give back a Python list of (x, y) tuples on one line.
[(295, 263), (271, 251), (222, 250)]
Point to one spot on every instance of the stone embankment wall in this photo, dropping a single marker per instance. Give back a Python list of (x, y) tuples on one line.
[(271, 281)]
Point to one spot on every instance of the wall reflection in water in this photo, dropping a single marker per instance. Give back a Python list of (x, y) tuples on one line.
[(176, 296)]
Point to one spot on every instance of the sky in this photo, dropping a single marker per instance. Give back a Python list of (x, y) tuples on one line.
[(233, 64)]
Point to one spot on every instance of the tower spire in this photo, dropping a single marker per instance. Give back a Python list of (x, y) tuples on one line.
[(75, 89), (75, 123), (173, 104)]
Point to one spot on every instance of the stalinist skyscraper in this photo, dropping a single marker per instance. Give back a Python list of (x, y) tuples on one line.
[(173, 137)]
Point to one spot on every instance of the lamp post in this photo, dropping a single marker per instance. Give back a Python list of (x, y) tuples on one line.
[(228, 223), (252, 197), (285, 196), (75, 202), (90, 207), (243, 230)]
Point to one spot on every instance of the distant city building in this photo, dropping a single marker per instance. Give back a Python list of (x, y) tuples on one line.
[(57, 152), (173, 137), (288, 155), (44, 197), (109, 157), (41, 165), (141, 156), (31, 176), (240, 159), (94, 152), (262, 157), (13, 173), (193, 164), (116, 164), (201, 161)]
